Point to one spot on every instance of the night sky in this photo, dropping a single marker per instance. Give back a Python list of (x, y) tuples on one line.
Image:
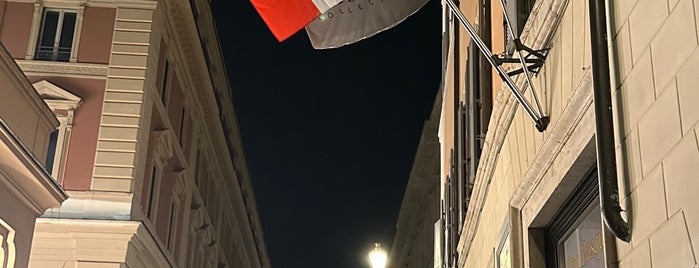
[(329, 135)]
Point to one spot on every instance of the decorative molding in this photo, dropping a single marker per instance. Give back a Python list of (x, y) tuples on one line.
[(138, 4), (93, 205), (7, 245), (50, 92), (86, 70)]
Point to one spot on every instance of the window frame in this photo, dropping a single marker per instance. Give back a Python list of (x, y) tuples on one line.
[(504, 242), (38, 23), (568, 217), (516, 10)]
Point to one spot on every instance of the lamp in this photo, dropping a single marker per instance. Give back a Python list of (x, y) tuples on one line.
[(377, 257)]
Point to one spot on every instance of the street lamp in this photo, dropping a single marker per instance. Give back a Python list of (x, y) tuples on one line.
[(377, 257)]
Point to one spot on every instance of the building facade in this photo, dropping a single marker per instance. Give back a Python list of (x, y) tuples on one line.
[(148, 147), (414, 242), (516, 197), (26, 187)]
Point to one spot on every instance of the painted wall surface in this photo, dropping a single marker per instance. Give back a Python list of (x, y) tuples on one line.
[(23, 116), (16, 26), (96, 36), (80, 158), (20, 218)]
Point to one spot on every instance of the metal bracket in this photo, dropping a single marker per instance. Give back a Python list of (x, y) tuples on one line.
[(534, 59), (527, 63)]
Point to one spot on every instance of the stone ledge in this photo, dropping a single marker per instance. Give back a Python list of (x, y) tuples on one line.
[(89, 70)]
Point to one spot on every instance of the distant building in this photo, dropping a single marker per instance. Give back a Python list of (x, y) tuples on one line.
[(148, 147), (413, 244), (26, 188), (517, 197)]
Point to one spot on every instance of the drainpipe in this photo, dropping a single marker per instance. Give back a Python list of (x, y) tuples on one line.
[(606, 157)]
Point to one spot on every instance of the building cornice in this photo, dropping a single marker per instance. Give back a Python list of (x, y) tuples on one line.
[(66, 69), (140, 4), (188, 46)]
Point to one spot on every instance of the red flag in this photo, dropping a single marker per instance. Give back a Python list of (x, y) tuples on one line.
[(286, 17)]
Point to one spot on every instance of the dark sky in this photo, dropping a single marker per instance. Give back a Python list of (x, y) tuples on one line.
[(329, 135)]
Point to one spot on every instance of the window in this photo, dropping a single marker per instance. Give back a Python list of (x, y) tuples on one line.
[(183, 114), (153, 179), (51, 152), (574, 238), (195, 11), (63, 104), (163, 90), (518, 13), (171, 226), (56, 35)]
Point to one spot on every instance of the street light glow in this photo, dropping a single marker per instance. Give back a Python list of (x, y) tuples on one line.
[(377, 257)]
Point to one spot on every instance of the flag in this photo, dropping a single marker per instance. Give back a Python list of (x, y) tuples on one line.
[(354, 20), (286, 17)]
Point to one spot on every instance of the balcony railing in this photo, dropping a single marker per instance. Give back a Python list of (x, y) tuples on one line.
[(51, 53)]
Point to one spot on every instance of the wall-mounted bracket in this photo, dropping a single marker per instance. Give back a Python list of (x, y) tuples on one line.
[(533, 59), (534, 112)]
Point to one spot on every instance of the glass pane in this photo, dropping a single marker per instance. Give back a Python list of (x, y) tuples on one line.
[(48, 35), (67, 30), (583, 247), (504, 260)]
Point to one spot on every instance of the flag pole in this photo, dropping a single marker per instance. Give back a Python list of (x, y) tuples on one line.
[(540, 120)]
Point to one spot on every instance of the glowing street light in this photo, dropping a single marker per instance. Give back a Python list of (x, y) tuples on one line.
[(377, 257)]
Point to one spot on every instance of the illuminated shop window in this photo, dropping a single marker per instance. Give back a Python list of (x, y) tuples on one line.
[(574, 238)]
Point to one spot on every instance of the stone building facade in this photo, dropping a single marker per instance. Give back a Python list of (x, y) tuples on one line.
[(524, 198), (413, 242), (26, 187), (148, 146)]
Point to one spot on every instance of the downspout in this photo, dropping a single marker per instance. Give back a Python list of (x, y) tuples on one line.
[(606, 157)]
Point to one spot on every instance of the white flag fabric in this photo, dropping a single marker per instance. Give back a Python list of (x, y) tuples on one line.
[(354, 20)]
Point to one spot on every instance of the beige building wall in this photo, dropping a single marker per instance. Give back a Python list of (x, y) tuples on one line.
[(413, 243), (657, 59), (151, 152), (524, 177)]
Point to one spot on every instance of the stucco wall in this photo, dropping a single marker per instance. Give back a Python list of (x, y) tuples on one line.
[(18, 111), (15, 28), (96, 35)]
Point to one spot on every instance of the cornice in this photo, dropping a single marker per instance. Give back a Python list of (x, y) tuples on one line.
[(23, 175), (83, 70), (140, 4)]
